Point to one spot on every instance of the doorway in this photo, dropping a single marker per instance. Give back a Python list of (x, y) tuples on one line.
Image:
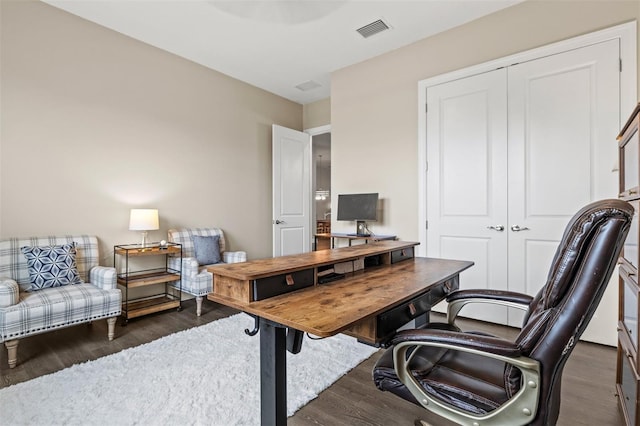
[(321, 148), (321, 180)]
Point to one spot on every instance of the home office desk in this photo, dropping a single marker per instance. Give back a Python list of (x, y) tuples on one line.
[(368, 304)]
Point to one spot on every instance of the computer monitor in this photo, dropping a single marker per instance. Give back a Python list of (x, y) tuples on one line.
[(358, 207)]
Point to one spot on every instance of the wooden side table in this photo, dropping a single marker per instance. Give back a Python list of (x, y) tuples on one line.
[(123, 255)]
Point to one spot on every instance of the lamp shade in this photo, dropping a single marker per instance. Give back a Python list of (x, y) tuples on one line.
[(144, 220)]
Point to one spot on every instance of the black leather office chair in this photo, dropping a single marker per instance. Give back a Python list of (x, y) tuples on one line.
[(477, 379)]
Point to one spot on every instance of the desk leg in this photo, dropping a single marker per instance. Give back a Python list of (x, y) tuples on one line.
[(422, 320), (273, 374)]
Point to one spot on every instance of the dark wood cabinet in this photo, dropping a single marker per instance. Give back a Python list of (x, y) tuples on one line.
[(628, 362)]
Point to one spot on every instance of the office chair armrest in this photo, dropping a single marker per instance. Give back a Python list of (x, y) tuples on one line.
[(457, 340), (510, 296), (518, 410), (460, 298)]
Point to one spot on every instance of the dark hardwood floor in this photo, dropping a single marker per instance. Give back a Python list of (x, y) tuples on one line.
[(588, 389)]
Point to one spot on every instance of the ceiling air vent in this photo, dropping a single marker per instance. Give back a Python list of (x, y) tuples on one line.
[(373, 28), (308, 85)]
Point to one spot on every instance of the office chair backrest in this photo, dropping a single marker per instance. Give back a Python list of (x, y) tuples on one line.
[(562, 309)]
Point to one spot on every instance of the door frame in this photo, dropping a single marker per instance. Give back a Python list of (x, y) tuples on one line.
[(318, 130), (626, 33)]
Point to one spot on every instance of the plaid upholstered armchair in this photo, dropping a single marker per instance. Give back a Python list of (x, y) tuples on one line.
[(47, 283), (201, 247)]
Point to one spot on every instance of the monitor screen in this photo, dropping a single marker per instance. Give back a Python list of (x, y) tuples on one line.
[(358, 206)]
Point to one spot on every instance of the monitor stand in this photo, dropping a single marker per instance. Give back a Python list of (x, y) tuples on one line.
[(361, 229)]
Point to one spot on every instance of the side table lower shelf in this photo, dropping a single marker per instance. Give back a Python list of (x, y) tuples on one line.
[(133, 308), (139, 307)]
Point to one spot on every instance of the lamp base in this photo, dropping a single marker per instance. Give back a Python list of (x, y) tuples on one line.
[(143, 244)]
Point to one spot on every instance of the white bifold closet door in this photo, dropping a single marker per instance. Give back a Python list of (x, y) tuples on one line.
[(512, 155)]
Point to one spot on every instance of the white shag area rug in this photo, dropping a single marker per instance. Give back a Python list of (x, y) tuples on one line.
[(207, 375)]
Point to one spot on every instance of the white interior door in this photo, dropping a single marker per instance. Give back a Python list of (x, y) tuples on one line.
[(467, 181), (291, 158), (563, 118)]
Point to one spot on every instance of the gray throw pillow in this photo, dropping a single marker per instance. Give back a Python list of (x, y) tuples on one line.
[(207, 249)]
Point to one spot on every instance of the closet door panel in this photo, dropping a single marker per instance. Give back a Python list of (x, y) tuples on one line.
[(465, 165), (480, 250), (557, 138)]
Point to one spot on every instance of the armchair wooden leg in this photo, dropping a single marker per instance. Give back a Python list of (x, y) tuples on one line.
[(111, 322), (199, 305), (12, 352)]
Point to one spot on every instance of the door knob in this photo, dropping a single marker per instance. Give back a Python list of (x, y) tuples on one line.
[(516, 228), (278, 222), (498, 228)]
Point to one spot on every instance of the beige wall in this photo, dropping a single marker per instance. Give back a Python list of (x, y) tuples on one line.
[(115, 124), (374, 120), (317, 114), (94, 123)]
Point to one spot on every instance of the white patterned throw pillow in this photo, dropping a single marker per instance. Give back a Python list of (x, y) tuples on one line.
[(51, 266)]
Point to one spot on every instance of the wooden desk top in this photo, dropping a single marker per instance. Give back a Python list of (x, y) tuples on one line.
[(261, 268), (327, 309)]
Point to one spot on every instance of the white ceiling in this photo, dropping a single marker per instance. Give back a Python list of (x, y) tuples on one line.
[(274, 44)]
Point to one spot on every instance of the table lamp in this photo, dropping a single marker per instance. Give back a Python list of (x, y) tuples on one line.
[(144, 220)]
